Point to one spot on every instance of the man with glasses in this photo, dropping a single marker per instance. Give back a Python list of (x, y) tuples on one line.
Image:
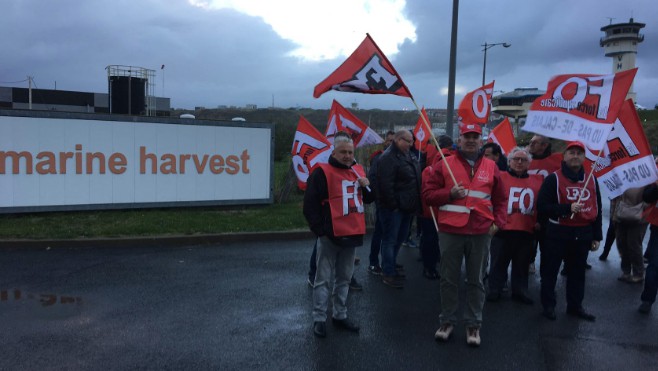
[(398, 197), (514, 242)]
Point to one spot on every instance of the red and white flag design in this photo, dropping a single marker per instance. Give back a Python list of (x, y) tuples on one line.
[(626, 160), (580, 107), (503, 135), (476, 105), (421, 132), (366, 70), (340, 119), (309, 148)]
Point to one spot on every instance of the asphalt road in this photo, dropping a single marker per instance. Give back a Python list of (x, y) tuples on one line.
[(246, 306)]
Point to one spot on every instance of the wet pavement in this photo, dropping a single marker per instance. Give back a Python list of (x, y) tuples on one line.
[(246, 305)]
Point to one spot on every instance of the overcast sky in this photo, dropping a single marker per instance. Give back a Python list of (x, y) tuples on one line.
[(264, 52)]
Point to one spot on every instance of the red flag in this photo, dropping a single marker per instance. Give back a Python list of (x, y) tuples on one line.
[(580, 107), (626, 160), (420, 132), (503, 135), (368, 71), (476, 105), (342, 119), (309, 148)]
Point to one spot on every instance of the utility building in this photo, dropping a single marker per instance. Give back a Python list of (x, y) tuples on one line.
[(620, 44)]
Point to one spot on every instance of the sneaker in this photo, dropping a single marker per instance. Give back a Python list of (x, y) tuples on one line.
[(645, 307), (375, 270), (473, 336), (392, 281), (626, 277), (355, 285), (311, 281), (532, 269), (635, 279), (444, 332)]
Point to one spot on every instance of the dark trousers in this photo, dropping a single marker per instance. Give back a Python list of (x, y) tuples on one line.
[(376, 242), (574, 254), (517, 249), (651, 274), (429, 244)]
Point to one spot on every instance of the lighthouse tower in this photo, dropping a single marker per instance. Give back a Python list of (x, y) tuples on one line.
[(620, 43)]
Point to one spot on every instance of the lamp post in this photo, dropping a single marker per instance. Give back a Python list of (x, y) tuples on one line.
[(486, 47)]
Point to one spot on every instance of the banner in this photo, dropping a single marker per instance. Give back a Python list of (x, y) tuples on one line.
[(340, 119), (580, 107), (309, 148), (503, 135), (367, 71), (420, 132), (626, 160), (476, 105)]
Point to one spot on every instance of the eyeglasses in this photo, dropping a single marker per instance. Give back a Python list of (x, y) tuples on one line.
[(519, 159)]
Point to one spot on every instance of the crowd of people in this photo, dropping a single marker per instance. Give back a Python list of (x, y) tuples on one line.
[(478, 208)]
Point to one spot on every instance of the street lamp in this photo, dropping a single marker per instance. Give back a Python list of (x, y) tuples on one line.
[(485, 48)]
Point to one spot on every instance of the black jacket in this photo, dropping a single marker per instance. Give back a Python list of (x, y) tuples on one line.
[(548, 207), (398, 181), (318, 214)]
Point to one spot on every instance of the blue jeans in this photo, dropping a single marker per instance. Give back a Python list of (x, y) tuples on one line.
[(651, 274), (395, 229)]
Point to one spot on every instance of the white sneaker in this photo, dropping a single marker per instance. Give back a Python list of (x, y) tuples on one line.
[(473, 336), (443, 333)]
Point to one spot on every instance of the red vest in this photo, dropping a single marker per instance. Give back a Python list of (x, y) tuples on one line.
[(569, 192), (478, 197), (345, 200), (651, 214), (521, 204), (546, 165)]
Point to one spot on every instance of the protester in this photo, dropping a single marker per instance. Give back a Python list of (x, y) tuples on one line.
[(650, 196), (333, 207), (471, 210), (376, 240), (574, 212), (514, 241), (493, 152), (609, 236), (398, 196), (630, 228), (544, 162)]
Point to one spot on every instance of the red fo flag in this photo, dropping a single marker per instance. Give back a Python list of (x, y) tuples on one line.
[(503, 135), (340, 119), (626, 160), (580, 107), (476, 105), (420, 132), (309, 148), (368, 71)]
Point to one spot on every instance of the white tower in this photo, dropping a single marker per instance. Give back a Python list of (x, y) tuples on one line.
[(620, 43)]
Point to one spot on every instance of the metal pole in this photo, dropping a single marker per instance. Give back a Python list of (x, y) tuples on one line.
[(453, 67), (484, 65)]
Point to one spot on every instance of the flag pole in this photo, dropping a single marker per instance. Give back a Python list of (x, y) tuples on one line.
[(429, 128), (591, 174)]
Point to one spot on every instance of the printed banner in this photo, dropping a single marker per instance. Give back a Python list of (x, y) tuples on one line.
[(580, 107), (626, 160), (309, 148), (340, 119), (503, 135), (476, 105), (367, 71)]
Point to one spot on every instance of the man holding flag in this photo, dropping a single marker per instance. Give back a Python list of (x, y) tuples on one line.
[(572, 203)]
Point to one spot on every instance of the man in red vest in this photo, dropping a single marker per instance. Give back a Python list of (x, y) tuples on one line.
[(333, 206), (574, 228), (471, 209), (514, 242)]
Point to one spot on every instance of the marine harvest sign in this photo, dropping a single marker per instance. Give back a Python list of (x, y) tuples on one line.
[(54, 161)]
